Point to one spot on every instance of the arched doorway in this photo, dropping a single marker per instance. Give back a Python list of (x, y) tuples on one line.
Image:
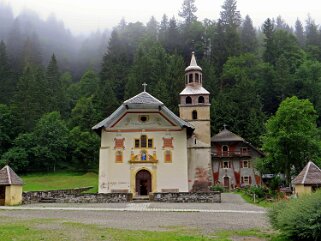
[(143, 182), (226, 182)]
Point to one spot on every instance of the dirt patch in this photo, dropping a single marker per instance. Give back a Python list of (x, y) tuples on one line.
[(237, 238)]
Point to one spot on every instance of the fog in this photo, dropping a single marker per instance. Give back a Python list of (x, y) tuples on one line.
[(83, 16)]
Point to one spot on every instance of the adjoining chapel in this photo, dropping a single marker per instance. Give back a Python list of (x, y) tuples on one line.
[(146, 148)]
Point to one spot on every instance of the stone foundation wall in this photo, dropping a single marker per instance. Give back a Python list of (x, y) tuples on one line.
[(74, 196), (186, 197)]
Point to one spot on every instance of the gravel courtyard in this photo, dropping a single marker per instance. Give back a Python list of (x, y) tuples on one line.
[(232, 213)]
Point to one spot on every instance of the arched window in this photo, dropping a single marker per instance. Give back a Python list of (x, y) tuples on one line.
[(194, 115), (196, 77), (119, 157), (201, 99), (168, 156), (188, 100), (190, 79), (143, 141)]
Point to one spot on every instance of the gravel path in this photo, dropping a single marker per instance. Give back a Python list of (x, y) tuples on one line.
[(206, 222)]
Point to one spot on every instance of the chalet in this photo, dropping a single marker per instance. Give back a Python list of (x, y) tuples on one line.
[(233, 160)]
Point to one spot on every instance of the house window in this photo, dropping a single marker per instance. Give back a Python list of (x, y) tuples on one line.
[(226, 164), (188, 100), (144, 142), (168, 156), (246, 164), (201, 99), (194, 115), (119, 157), (225, 150), (246, 180)]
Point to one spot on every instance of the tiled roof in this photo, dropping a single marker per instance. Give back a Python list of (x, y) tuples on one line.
[(9, 177), (195, 90), (143, 100), (310, 175), (225, 135)]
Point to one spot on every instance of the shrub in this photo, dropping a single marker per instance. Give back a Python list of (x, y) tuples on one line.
[(298, 219), (217, 188)]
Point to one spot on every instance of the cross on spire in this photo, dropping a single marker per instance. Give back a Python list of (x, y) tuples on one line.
[(224, 126), (144, 85)]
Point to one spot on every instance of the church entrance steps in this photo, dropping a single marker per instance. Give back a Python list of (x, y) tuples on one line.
[(140, 199)]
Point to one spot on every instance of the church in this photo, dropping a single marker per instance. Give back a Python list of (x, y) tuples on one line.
[(146, 148)]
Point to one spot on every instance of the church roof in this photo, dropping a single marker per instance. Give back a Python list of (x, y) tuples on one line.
[(310, 175), (193, 65), (143, 100), (9, 177), (194, 90), (225, 136)]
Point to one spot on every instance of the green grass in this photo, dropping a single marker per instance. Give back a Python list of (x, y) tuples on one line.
[(262, 203), (50, 229), (60, 180)]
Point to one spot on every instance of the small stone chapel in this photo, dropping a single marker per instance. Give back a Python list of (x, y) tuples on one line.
[(146, 148)]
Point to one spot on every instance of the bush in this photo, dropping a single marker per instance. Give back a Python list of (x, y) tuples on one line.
[(217, 188), (298, 219)]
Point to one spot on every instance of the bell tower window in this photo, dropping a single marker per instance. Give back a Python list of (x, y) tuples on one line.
[(201, 100), (194, 115), (197, 77), (190, 79), (188, 100)]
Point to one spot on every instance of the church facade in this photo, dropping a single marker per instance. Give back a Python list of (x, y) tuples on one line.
[(146, 148)]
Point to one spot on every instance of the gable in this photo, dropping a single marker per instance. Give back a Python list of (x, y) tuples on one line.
[(143, 120)]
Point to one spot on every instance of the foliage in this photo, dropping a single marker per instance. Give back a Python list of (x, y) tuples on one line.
[(291, 128), (218, 188), (298, 219)]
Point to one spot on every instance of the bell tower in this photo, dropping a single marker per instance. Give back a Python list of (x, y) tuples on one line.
[(194, 107)]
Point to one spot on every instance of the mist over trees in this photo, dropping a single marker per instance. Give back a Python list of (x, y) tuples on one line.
[(48, 77)]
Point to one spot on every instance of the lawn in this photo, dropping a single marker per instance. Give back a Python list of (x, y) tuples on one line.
[(52, 229), (60, 180)]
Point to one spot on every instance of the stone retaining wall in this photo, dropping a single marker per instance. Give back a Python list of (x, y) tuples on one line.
[(74, 196), (186, 197)]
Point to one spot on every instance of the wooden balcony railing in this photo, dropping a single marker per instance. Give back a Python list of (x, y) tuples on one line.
[(231, 154)]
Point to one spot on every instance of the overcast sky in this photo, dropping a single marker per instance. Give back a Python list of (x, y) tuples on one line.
[(83, 16)]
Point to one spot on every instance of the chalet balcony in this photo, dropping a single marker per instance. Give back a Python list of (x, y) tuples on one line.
[(221, 154)]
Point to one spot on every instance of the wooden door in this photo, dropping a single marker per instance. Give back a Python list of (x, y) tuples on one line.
[(2, 195), (227, 182), (143, 182)]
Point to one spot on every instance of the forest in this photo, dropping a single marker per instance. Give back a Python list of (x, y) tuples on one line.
[(54, 86)]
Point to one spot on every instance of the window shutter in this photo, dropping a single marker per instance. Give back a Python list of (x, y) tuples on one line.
[(250, 180), (249, 164), (241, 164), (242, 181)]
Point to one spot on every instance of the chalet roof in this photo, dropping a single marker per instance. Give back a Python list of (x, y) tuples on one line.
[(226, 136), (194, 90), (310, 175), (193, 65), (9, 177), (143, 100)]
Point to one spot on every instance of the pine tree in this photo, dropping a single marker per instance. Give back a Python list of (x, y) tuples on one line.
[(57, 96), (268, 30), (299, 33), (7, 84), (248, 36), (152, 28), (188, 11)]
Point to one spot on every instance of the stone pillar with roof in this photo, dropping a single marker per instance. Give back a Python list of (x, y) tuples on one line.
[(10, 187)]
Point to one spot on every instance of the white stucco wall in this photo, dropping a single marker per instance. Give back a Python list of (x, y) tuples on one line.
[(119, 176)]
